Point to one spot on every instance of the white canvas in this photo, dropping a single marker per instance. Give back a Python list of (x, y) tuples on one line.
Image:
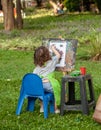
[(61, 46)]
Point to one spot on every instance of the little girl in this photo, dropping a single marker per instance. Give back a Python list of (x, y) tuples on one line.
[(45, 66)]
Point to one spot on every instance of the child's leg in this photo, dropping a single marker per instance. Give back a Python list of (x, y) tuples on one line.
[(57, 110), (54, 5), (41, 106), (47, 88)]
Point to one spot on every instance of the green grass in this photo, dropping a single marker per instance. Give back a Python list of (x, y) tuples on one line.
[(15, 64), (16, 59)]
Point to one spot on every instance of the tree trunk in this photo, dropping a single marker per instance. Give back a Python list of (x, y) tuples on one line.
[(19, 19), (9, 21), (39, 3), (0, 5)]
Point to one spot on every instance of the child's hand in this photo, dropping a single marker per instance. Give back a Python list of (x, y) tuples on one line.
[(53, 47), (55, 51)]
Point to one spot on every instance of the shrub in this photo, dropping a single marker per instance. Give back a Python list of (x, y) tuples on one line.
[(72, 5), (95, 50)]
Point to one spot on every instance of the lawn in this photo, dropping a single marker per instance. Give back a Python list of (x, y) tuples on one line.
[(16, 59)]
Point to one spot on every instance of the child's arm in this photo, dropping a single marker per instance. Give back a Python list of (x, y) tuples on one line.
[(55, 51)]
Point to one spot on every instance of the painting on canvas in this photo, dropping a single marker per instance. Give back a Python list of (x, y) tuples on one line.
[(68, 48)]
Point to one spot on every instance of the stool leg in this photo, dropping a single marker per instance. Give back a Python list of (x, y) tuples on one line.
[(92, 97), (91, 90), (71, 93), (62, 98), (84, 102)]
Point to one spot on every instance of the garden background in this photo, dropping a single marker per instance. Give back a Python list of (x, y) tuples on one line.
[(16, 59)]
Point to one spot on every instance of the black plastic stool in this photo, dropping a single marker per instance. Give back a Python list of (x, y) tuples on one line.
[(72, 104)]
